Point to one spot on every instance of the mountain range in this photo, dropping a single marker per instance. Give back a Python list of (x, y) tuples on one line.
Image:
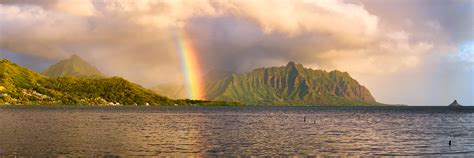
[(292, 84), (73, 81), (288, 85)]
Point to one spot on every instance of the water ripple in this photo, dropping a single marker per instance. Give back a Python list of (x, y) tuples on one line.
[(236, 131)]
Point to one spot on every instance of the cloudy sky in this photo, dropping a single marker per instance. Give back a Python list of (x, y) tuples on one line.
[(417, 52)]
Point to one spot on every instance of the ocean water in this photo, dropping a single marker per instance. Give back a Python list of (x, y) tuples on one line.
[(236, 131)]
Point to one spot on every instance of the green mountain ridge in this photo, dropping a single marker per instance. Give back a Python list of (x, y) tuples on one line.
[(288, 85), (21, 86), (285, 85), (73, 66)]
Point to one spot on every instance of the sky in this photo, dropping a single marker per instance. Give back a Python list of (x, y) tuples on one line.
[(416, 52)]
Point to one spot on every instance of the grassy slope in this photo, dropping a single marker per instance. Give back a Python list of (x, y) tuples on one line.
[(24, 86)]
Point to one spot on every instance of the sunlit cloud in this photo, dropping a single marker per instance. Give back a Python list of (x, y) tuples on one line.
[(365, 38)]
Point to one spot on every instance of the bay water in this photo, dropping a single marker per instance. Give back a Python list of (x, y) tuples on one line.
[(236, 131)]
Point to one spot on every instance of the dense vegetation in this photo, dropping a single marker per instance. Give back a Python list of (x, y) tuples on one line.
[(21, 86), (74, 66), (288, 85)]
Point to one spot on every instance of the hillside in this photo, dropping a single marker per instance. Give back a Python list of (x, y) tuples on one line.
[(73, 66), (289, 85), (21, 86), (174, 91)]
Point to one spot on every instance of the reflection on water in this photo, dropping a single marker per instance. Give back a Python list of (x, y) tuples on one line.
[(249, 131)]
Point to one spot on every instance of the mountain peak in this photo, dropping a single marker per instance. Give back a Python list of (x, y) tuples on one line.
[(294, 66), (75, 56), (291, 64), (73, 66)]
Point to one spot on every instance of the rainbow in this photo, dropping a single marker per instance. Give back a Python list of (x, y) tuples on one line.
[(190, 65)]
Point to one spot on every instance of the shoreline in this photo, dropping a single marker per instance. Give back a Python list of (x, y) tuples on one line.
[(230, 107)]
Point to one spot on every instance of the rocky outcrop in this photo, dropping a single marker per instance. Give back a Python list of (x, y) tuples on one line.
[(455, 103)]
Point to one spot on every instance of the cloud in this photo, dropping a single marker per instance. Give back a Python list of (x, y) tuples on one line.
[(300, 17), (55, 29), (135, 39), (33, 30), (80, 8), (77, 8)]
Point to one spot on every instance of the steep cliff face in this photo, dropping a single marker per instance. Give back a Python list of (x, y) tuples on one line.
[(291, 84)]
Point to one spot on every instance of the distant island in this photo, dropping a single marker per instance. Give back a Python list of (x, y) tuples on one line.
[(73, 81), (455, 104)]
